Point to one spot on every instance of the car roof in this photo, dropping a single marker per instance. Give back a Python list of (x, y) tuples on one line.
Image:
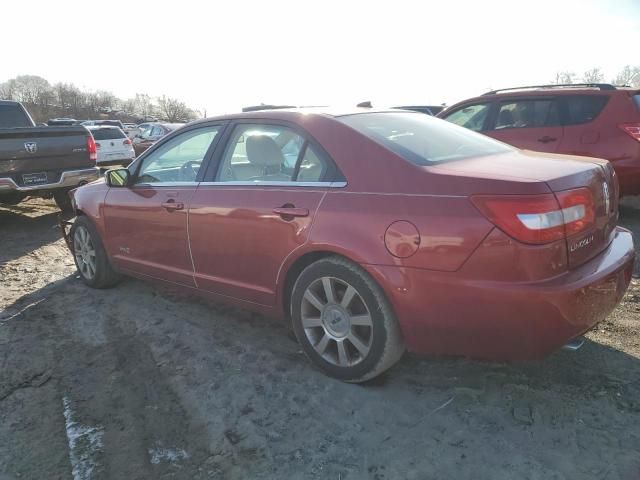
[(559, 89), (295, 114), (102, 127)]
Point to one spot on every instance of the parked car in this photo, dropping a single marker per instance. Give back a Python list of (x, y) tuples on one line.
[(59, 122), (131, 129), (112, 145), (151, 134), (113, 123), (426, 236), (594, 120), (42, 161)]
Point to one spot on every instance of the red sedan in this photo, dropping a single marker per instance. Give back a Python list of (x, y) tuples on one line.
[(371, 231)]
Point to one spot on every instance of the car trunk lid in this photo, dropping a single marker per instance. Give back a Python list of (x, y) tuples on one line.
[(560, 174)]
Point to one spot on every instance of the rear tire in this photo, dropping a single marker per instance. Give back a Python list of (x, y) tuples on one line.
[(343, 321), (90, 256)]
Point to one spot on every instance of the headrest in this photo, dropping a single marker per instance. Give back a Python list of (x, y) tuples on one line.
[(264, 151)]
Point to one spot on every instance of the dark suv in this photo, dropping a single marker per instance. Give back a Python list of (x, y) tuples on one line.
[(593, 120)]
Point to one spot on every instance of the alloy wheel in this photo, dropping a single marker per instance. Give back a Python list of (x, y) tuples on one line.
[(337, 321), (84, 252)]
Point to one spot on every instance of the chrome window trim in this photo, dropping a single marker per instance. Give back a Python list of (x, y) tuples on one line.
[(277, 184), (165, 184)]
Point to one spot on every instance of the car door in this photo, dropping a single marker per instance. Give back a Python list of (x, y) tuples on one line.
[(528, 123), (147, 220), (256, 208)]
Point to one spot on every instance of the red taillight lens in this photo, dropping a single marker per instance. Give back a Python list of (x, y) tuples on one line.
[(92, 148), (631, 129), (578, 210), (539, 219), (126, 142)]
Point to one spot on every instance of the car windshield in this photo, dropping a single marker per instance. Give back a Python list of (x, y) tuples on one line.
[(421, 139)]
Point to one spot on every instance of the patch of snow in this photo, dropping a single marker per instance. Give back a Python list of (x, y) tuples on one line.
[(84, 444), (169, 455)]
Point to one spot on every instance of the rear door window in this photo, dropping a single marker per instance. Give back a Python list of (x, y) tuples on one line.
[(636, 100), (528, 114), (584, 108), (471, 116)]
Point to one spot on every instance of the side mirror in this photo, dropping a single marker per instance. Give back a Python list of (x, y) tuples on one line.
[(117, 177)]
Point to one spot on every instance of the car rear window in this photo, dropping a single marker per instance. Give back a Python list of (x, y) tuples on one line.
[(107, 133), (421, 139), (12, 116), (636, 100), (584, 108)]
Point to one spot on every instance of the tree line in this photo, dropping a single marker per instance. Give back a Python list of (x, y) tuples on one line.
[(629, 75), (44, 101)]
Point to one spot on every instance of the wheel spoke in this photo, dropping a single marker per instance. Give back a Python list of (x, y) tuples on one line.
[(313, 299), (311, 322), (342, 354), (327, 284), (348, 296), (91, 269), (91, 252), (356, 342), (322, 344), (361, 320)]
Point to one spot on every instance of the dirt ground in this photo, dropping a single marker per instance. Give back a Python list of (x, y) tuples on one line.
[(137, 382)]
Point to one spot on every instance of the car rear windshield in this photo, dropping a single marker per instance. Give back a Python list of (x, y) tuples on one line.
[(107, 133), (12, 116), (421, 139)]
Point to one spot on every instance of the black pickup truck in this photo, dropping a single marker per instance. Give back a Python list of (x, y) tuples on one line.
[(42, 161)]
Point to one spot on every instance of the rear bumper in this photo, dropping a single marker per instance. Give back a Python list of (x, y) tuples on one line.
[(445, 313), (70, 178)]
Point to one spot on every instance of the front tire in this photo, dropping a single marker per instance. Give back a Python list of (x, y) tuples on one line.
[(343, 321), (90, 256)]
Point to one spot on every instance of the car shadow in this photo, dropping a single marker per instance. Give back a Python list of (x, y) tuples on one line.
[(29, 227)]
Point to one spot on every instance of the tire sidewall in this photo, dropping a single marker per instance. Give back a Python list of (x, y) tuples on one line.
[(372, 296), (103, 267)]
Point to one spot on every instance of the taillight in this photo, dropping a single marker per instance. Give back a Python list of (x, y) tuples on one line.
[(631, 129), (127, 141), (539, 219), (578, 210), (92, 148)]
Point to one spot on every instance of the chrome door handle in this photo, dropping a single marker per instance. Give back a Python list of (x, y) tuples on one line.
[(171, 205), (291, 212)]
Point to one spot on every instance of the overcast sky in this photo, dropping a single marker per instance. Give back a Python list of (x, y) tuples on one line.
[(223, 55)]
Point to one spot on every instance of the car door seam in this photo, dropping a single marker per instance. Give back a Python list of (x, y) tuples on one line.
[(313, 221)]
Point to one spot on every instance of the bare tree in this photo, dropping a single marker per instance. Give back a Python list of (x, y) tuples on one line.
[(593, 76), (32, 89), (174, 110), (8, 90), (565, 77), (144, 105), (628, 76)]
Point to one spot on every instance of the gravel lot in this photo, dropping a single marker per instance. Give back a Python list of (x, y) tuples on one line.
[(139, 382)]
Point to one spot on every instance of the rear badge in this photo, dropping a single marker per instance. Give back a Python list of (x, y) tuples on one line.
[(582, 243)]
